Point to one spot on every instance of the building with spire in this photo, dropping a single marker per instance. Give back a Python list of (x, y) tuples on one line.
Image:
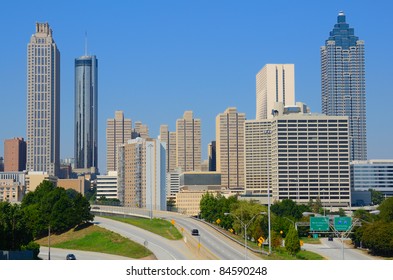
[(43, 102), (343, 83)]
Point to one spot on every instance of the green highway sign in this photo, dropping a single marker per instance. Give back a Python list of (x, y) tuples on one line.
[(342, 223), (319, 223)]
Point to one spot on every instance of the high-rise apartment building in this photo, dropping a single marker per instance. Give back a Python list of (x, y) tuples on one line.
[(118, 131), (188, 143), (309, 156), (140, 130), (86, 112), (230, 148), (43, 102), (14, 154), (274, 83), (343, 83), (141, 174), (169, 137)]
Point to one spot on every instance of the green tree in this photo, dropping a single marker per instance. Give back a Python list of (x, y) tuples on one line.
[(292, 242), (49, 206), (386, 210), (289, 208), (376, 197), (378, 238), (14, 232), (208, 207), (249, 213)]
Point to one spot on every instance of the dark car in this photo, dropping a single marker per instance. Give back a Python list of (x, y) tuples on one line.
[(195, 232), (330, 238), (70, 257)]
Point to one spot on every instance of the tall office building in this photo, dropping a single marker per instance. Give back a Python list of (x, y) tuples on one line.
[(43, 102), (188, 143), (86, 116), (169, 137), (343, 83), (230, 148), (14, 154), (141, 173), (118, 131), (274, 83), (299, 156)]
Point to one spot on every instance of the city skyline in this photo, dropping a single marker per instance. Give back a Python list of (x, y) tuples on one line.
[(193, 56)]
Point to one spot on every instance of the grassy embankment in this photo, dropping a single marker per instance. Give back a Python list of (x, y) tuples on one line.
[(158, 226), (96, 239)]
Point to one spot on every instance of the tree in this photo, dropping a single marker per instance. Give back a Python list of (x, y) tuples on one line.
[(14, 232), (386, 210), (292, 242), (378, 238), (376, 197), (49, 206)]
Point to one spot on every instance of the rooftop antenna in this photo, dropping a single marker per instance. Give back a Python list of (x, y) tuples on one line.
[(85, 43)]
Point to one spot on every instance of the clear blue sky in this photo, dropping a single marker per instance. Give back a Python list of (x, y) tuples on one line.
[(160, 58)]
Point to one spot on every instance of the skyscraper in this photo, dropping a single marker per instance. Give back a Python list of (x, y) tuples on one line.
[(118, 131), (188, 143), (274, 83), (141, 174), (43, 102), (86, 107), (169, 137), (343, 83), (230, 148)]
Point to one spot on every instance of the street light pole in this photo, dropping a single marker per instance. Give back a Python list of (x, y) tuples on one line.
[(49, 242), (245, 229)]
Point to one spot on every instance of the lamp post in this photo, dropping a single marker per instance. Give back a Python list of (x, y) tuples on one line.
[(150, 146), (245, 225), (49, 242), (268, 132), (293, 223)]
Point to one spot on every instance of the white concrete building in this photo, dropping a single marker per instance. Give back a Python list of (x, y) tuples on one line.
[(107, 185), (274, 83)]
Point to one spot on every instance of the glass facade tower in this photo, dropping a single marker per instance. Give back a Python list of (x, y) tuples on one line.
[(343, 83), (86, 97)]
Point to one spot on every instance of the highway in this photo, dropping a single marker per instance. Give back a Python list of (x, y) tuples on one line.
[(213, 245), (214, 242), (60, 254), (332, 250), (161, 247)]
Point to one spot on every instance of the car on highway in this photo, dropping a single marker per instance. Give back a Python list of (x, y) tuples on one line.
[(195, 232), (70, 257), (330, 238)]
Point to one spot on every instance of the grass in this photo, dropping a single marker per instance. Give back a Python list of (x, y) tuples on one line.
[(97, 239), (158, 226), (311, 240)]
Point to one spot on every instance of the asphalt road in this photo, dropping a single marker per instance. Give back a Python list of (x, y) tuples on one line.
[(214, 242), (161, 247), (332, 250), (60, 254)]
